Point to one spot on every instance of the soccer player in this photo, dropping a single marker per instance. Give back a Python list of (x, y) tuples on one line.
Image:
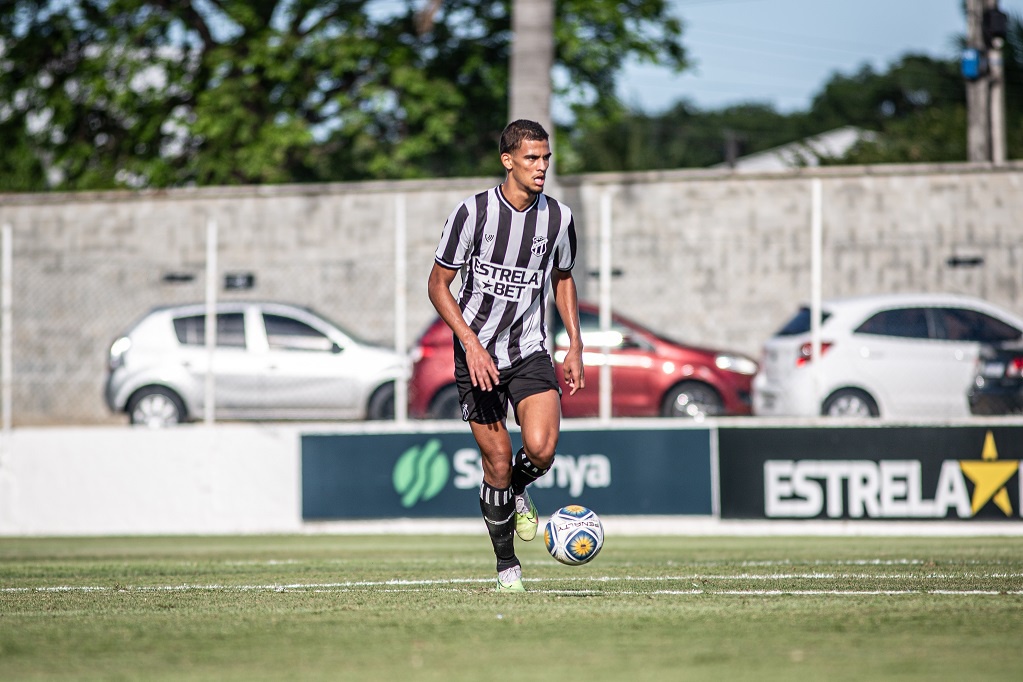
[(514, 246)]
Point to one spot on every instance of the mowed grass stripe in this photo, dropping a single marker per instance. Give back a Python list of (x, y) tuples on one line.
[(349, 585), (423, 609)]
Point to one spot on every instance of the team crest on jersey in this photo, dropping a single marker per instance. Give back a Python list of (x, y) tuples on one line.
[(539, 246), (488, 236)]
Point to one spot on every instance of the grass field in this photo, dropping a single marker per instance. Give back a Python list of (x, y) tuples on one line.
[(405, 607)]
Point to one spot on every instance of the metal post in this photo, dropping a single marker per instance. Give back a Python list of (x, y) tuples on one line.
[(816, 242), (605, 305), (211, 319), (400, 303), (6, 332)]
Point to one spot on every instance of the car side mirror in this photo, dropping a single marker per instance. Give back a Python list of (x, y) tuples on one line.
[(630, 340)]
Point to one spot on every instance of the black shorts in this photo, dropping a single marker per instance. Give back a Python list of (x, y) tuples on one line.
[(529, 376)]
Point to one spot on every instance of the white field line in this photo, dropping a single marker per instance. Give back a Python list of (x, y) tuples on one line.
[(787, 563), (351, 585)]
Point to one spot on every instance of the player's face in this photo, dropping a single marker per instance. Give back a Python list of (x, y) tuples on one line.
[(527, 166)]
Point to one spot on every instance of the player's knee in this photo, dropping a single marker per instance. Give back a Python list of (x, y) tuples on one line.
[(541, 453)]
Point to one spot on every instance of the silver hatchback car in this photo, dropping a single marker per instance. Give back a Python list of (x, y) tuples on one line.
[(897, 356), (271, 361)]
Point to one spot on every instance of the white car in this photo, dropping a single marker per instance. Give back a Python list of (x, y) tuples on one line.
[(892, 356), (271, 361)]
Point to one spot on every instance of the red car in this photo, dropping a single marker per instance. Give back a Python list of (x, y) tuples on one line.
[(651, 375)]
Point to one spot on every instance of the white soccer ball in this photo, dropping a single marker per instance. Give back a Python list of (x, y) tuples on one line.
[(574, 535)]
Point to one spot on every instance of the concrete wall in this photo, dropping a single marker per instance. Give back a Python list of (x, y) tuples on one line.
[(704, 256)]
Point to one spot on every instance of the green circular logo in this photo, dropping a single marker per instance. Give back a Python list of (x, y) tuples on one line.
[(420, 473)]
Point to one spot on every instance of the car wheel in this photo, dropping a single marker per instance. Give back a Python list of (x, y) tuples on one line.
[(446, 404), (692, 399), (156, 407), (850, 402), (381, 403)]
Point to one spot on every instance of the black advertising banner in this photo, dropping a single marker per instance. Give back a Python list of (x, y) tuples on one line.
[(897, 472), (435, 475)]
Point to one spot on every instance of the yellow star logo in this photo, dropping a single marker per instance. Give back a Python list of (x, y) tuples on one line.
[(989, 476)]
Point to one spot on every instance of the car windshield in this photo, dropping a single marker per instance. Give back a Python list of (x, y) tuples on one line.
[(800, 322)]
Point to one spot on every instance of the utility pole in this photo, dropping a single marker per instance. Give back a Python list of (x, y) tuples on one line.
[(994, 36), (978, 116), (532, 58), (985, 87)]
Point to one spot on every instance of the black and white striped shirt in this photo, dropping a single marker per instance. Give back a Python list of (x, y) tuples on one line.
[(506, 257)]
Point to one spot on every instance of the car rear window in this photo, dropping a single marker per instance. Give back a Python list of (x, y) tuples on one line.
[(800, 322), (191, 330), (907, 323), (962, 324)]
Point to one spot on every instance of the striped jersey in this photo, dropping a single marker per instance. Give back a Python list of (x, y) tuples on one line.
[(506, 257)]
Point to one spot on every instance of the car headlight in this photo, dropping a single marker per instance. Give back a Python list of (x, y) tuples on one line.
[(739, 364), (117, 352)]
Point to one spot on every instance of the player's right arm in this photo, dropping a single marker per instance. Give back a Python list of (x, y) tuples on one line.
[(482, 369)]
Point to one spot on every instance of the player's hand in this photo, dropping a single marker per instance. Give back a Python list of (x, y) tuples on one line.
[(575, 375), (482, 370)]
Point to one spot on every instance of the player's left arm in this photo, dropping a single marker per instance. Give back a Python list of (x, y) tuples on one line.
[(566, 298)]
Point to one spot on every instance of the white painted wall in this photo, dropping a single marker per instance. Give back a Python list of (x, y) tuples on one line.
[(117, 480)]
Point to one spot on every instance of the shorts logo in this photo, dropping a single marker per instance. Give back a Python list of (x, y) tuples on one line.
[(539, 246), (465, 412)]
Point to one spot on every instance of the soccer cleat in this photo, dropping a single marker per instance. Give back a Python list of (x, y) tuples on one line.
[(526, 518), (510, 580)]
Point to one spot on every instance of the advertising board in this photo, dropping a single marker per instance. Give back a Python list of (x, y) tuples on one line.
[(884, 472), (436, 475)]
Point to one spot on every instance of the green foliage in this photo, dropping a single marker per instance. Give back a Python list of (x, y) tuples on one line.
[(915, 110), (104, 94), (917, 107), (592, 39), (682, 137), (136, 93), (1013, 62)]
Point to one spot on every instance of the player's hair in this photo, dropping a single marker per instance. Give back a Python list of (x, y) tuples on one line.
[(520, 130)]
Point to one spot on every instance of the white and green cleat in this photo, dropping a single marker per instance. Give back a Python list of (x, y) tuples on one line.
[(510, 580), (526, 518)]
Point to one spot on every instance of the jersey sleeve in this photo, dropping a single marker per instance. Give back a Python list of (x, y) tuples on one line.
[(456, 238), (564, 257)]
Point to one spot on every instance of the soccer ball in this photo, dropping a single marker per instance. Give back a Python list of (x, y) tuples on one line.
[(573, 535)]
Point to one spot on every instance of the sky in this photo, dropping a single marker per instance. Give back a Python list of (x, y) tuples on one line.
[(781, 52)]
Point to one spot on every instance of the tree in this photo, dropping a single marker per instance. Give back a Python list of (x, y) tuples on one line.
[(917, 107), (159, 93), (682, 137), (1013, 74)]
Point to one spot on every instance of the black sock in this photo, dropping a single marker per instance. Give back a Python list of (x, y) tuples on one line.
[(524, 472), (498, 507)]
